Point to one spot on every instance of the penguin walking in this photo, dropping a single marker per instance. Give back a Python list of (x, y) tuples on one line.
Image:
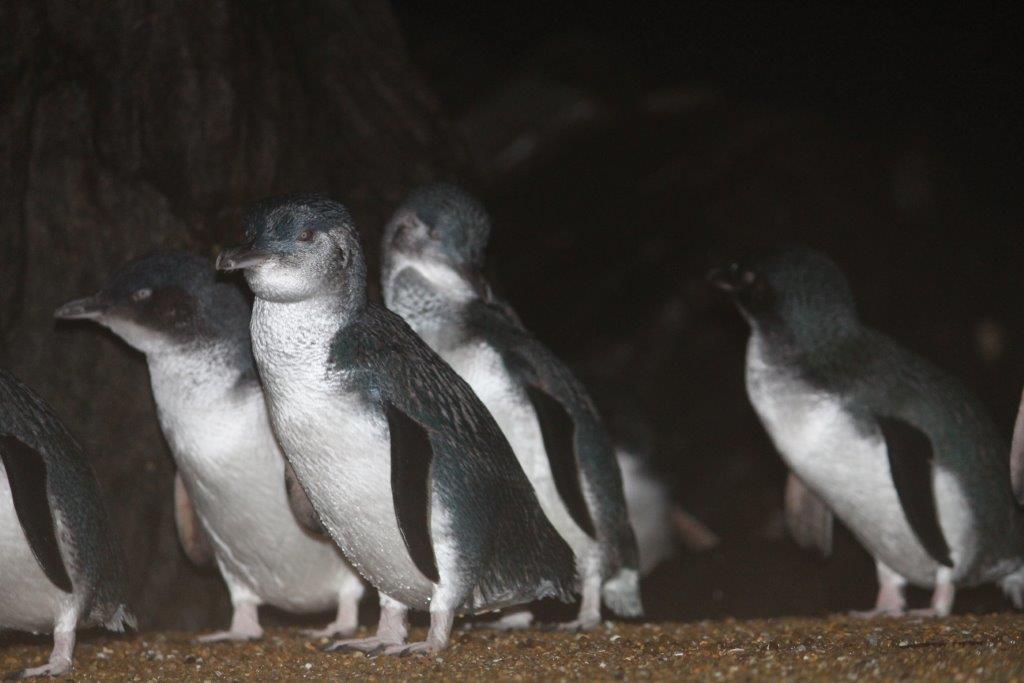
[(896, 449), (231, 502), (432, 276), (60, 564), (404, 466)]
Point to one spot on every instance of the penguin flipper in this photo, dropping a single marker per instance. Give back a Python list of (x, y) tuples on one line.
[(910, 462), (1017, 455), (411, 457), (191, 534), (26, 474), (299, 503), (592, 454), (808, 519), (559, 434)]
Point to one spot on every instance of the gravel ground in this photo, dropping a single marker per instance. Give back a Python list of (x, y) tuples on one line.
[(965, 648)]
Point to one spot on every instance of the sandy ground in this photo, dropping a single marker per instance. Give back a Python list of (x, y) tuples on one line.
[(960, 648), (972, 647)]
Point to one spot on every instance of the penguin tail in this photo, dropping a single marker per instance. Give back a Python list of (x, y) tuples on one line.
[(621, 593), (1013, 588), (121, 620)]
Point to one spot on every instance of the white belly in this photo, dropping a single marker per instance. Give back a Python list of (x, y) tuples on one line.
[(482, 368), (342, 454), (820, 442), (28, 601), (650, 511), (234, 474)]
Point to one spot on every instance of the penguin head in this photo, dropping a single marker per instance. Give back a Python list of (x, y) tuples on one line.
[(440, 223), (162, 300), (298, 248), (793, 289)]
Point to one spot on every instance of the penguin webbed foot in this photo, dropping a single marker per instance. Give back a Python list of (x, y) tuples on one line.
[(332, 630), (245, 625), (370, 647), (878, 613), (513, 621), (230, 636), (58, 668), (575, 626), (425, 647)]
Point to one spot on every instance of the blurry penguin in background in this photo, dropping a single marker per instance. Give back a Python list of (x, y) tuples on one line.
[(900, 451)]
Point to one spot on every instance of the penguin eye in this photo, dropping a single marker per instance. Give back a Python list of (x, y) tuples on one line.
[(434, 234), (142, 294), (305, 235)]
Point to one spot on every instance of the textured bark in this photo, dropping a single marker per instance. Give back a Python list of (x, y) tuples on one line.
[(130, 125)]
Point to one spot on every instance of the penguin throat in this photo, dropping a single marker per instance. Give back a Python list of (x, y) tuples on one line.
[(803, 338)]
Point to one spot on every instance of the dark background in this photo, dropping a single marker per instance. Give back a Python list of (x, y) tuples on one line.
[(621, 151)]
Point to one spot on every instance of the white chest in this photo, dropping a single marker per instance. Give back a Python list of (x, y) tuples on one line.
[(220, 435), (339, 446), (820, 441)]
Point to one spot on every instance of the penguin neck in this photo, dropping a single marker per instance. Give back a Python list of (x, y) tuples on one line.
[(293, 339), (199, 374), (429, 296), (442, 280), (807, 346)]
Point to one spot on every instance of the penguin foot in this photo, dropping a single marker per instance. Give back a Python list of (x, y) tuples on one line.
[(879, 613), (575, 626), (371, 646), (422, 648), (332, 630), (515, 621), (234, 636), (58, 668)]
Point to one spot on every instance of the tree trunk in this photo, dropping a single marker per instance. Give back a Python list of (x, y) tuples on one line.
[(126, 126)]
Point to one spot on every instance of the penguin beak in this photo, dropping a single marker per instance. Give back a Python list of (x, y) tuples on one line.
[(403, 229), (89, 308), (241, 257), (730, 278)]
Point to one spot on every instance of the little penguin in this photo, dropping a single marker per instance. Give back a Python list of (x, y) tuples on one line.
[(60, 563), (661, 525), (433, 254), (406, 469), (231, 504), (872, 434)]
